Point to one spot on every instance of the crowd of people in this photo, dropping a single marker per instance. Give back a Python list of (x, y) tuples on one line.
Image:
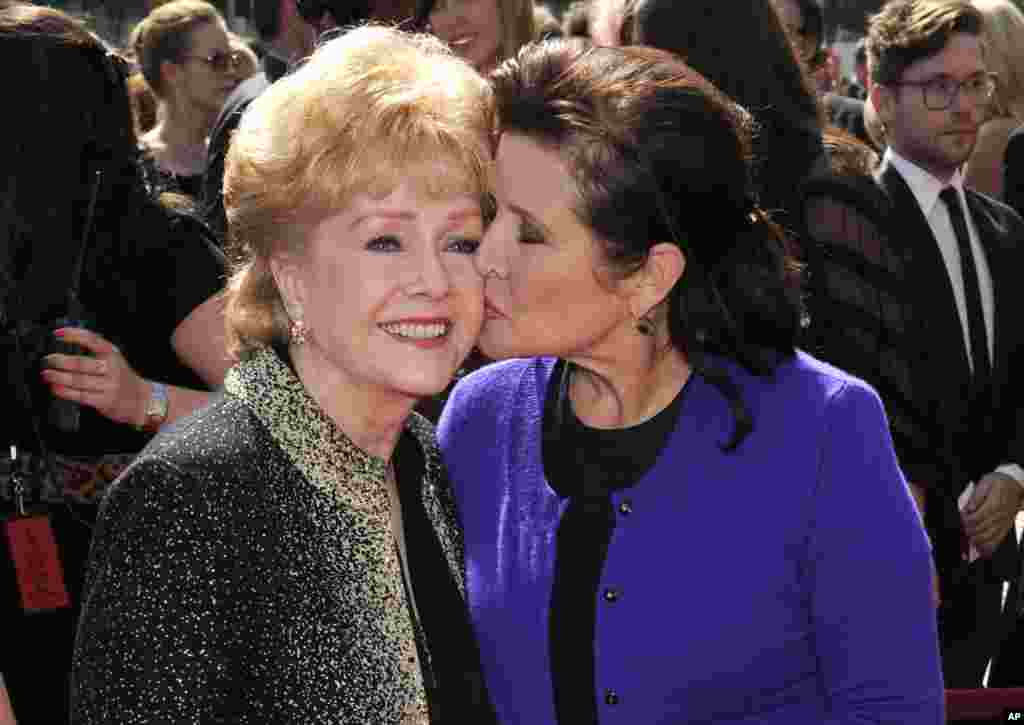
[(464, 361)]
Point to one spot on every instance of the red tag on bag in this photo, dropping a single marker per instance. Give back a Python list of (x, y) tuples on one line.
[(36, 564)]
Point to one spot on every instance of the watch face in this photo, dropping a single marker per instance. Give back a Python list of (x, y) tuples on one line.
[(157, 407)]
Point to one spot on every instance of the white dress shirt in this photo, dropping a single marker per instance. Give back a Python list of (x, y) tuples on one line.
[(926, 189)]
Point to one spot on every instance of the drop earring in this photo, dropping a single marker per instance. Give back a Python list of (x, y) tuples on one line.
[(298, 332), (644, 326)]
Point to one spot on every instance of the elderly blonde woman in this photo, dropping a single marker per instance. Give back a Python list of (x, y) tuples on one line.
[(1004, 56), (290, 554)]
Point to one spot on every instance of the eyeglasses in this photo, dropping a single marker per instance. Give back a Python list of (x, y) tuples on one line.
[(219, 61), (940, 92)]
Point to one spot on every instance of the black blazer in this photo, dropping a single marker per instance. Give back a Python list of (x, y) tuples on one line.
[(223, 127), (881, 306), (972, 443)]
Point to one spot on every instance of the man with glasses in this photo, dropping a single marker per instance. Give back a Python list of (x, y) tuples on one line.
[(932, 318)]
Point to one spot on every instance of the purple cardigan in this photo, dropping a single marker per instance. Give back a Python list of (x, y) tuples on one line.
[(787, 583)]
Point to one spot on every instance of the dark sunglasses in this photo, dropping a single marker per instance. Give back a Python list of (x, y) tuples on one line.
[(218, 60)]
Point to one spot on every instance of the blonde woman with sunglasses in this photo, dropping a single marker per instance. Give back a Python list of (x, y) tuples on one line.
[(184, 52)]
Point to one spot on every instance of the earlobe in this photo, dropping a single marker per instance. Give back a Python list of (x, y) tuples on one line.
[(168, 72)]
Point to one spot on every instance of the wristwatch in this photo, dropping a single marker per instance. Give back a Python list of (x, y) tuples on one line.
[(156, 408)]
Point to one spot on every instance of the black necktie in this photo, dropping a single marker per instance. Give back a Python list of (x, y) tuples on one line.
[(975, 316)]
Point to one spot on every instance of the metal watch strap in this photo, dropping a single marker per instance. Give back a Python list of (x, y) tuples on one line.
[(156, 408)]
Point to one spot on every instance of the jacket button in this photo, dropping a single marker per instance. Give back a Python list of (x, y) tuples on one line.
[(611, 595), (626, 507), (611, 697)]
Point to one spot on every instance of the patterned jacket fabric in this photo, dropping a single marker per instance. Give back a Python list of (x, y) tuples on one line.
[(243, 570)]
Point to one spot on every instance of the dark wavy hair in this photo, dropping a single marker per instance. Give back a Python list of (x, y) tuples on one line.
[(754, 63), (658, 154), (74, 120)]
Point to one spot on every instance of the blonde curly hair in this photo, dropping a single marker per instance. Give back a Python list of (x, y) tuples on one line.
[(367, 111)]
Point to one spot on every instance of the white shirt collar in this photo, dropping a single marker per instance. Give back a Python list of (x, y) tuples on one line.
[(924, 186)]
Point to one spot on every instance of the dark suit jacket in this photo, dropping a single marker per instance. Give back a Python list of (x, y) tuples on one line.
[(974, 442), (226, 123), (882, 307)]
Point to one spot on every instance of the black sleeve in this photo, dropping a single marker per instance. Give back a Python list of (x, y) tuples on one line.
[(859, 318), (862, 323), (212, 203), (154, 638), (186, 267), (1013, 171)]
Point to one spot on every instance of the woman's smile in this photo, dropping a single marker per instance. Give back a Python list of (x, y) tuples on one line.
[(423, 333)]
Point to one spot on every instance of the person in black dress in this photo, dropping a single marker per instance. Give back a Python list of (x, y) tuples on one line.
[(147, 290)]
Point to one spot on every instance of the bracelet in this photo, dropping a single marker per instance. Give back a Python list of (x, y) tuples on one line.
[(156, 408)]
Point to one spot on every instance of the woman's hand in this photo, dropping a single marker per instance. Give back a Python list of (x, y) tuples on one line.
[(104, 381)]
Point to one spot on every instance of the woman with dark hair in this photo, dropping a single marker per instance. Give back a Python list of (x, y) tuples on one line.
[(775, 89), (82, 241), (148, 277), (804, 20), (665, 505)]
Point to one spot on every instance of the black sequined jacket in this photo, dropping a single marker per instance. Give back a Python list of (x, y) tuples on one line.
[(243, 570)]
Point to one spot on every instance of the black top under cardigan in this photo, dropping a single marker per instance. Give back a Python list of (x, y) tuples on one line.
[(586, 465)]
